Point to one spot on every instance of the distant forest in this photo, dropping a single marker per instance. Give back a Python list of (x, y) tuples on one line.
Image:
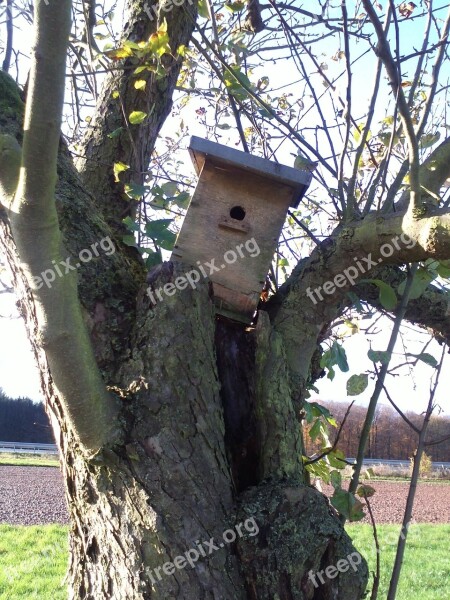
[(390, 436), (23, 420)]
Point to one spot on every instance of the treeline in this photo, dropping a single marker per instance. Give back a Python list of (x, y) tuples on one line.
[(23, 420), (390, 437)]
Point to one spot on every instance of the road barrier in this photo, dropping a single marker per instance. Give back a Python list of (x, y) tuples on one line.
[(28, 448)]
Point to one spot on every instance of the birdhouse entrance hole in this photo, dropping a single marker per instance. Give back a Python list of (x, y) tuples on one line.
[(238, 213)]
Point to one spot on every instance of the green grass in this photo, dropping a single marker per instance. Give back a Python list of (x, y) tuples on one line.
[(28, 460), (33, 560), (426, 567)]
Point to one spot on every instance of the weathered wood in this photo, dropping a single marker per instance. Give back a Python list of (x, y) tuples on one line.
[(204, 150), (234, 221)]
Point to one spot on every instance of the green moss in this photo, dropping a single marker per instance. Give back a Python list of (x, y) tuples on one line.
[(11, 103)]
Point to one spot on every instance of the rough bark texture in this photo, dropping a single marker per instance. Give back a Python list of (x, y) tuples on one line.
[(280, 560), (170, 487)]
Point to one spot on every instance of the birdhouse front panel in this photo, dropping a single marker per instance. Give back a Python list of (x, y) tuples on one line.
[(232, 227)]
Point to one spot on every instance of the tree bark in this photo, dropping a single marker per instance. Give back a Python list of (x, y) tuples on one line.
[(170, 487)]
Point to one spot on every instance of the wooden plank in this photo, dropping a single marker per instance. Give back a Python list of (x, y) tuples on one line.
[(201, 150)]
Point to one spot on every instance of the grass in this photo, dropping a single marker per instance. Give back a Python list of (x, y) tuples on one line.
[(426, 567), (29, 460), (33, 560)]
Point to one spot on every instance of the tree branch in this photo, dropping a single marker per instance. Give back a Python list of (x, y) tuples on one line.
[(91, 411), (383, 51), (133, 145), (301, 308)]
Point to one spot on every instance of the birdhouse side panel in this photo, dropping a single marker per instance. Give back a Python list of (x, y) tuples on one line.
[(235, 218)]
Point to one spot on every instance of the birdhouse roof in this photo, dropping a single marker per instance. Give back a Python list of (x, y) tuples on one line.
[(203, 150)]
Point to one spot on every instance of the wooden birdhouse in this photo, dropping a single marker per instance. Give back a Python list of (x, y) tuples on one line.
[(234, 221)]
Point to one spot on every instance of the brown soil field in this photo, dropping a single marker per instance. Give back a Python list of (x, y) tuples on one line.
[(431, 504), (34, 495)]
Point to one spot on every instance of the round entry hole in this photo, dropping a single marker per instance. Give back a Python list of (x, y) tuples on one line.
[(238, 213)]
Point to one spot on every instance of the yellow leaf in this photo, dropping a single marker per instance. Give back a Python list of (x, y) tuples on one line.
[(140, 84), (118, 168)]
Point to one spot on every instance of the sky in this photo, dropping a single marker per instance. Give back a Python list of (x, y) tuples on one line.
[(410, 387)]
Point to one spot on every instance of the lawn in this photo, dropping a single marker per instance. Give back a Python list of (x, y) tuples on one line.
[(33, 561), (426, 567), (29, 460)]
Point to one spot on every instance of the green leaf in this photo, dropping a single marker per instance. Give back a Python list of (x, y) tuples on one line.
[(379, 356), (115, 133), (369, 473), (334, 356), (319, 470), (137, 117), (341, 358), (366, 491), (347, 505), (119, 168), (154, 228), (129, 240), (235, 6), (170, 188), (158, 44), (356, 301), (158, 232), (336, 480), (356, 384), (426, 358), (336, 459), (153, 259), (443, 269), (159, 202), (314, 432), (135, 191), (387, 296), (303, 163), (429, 139), (313, 410), (130, 224), (421, 280), (203, 9), (327, 416), (182, 200)]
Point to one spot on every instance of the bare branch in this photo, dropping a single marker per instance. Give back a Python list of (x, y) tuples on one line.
[(383, 51)]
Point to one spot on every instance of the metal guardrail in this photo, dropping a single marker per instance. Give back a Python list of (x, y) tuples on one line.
[(28, 448), (398, 463)]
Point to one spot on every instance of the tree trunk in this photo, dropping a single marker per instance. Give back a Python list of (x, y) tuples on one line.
[(170, 491)]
